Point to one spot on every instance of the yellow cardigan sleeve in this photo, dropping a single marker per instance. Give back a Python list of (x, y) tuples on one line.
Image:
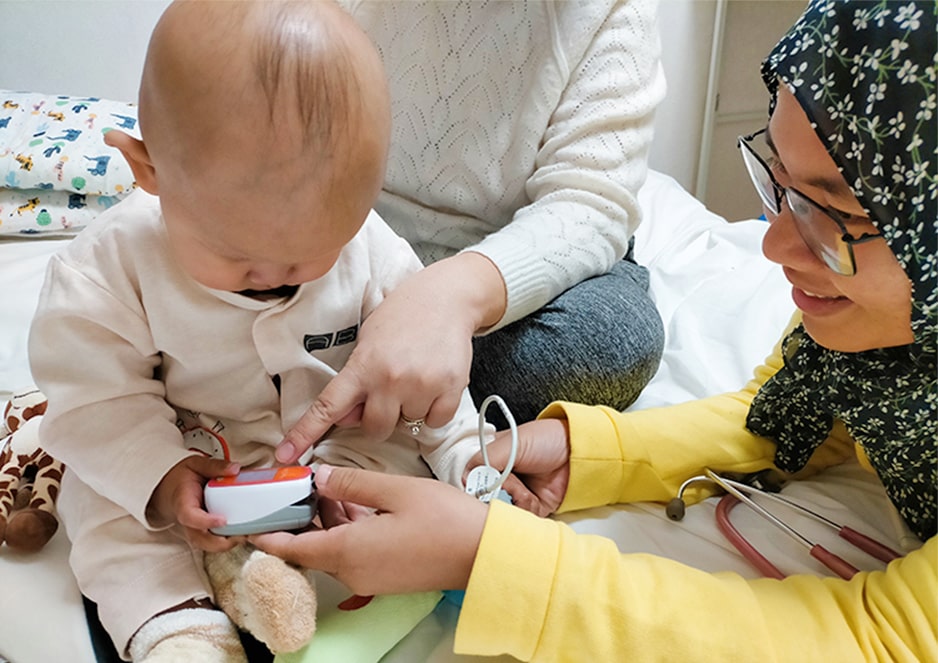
[(541, 592), (618, 458)]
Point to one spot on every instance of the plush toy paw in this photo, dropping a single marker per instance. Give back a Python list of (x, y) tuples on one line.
[(265, 596), (29, 477), (29, 530)]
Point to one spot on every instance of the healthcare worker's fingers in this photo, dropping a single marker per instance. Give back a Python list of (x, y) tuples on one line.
[(413, 354), (381, 415), (369, 489), (332, 512), (336, 402), (424, 535), (444, 408), (353, 418), (313, 549)]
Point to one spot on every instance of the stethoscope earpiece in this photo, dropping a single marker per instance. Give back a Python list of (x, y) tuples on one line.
[(676, 509), (765, 481)]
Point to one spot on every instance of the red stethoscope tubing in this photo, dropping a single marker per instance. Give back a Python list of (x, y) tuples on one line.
[(863, 542), (746, 549), (836, 564), (738, 492), (868, 545)]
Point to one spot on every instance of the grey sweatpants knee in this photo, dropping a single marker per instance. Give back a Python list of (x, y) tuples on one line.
[(598, 343)]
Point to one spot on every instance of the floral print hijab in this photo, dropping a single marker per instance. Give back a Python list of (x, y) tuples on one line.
[(865, 75)]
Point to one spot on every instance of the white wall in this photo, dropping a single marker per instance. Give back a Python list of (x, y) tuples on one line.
[(750, 30), (76, 47), (96, 48), (686, 29)]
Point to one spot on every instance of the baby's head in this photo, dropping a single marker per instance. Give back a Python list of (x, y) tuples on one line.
[(265, 133)]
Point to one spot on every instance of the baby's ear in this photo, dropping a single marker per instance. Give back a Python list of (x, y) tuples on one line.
[(136, 154)]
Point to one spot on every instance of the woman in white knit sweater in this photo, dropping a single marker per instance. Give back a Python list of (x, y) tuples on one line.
[(520, 133)]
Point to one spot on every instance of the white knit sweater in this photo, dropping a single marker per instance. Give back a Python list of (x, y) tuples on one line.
[(520, 130)]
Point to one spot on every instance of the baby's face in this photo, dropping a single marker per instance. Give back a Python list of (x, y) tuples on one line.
[(260, 237), (259, 187)]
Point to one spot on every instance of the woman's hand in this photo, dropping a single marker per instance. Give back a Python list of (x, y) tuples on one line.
[(538, 481), (178, 499), (424, 535), (413, 354)]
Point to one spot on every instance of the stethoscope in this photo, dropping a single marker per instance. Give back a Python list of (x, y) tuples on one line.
[(737, 492)]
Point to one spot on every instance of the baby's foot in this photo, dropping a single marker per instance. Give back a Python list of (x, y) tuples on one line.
[(183, 636)]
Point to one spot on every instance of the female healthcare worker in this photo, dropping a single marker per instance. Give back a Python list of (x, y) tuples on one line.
[(847, 172)]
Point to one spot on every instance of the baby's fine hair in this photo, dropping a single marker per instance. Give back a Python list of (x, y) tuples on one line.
[(305, 62), (302, 58)]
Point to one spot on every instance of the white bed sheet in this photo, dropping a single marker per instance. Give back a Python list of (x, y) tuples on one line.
[(41, 614), (723, 306)]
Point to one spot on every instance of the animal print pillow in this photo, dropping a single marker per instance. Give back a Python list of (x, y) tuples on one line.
[(27, 212), (56, 173)]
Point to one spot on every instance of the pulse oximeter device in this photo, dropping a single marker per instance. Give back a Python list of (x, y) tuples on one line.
[(263, 500)]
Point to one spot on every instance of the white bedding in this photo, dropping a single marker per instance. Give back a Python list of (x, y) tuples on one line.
[(723, 305)]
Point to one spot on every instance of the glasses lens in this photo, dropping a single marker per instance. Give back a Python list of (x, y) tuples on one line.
[(821, 233), (761, 177)]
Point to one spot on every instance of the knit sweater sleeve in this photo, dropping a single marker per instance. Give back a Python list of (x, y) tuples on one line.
[(574, 597), (590, 164)]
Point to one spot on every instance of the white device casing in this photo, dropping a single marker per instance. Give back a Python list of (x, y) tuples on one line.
[(251, 500)]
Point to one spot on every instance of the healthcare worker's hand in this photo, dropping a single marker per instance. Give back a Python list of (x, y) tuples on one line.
[(424, 535), (413, 354), (539, 478), (178, 499)]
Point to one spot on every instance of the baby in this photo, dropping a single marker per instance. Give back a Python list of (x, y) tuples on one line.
[(208, 309)]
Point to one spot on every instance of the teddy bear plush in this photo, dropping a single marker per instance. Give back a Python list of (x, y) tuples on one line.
[(277, 604), (267, 597), (29, 477)]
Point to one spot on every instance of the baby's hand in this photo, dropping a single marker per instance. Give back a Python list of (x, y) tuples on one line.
[(178, 499), (539, 479)]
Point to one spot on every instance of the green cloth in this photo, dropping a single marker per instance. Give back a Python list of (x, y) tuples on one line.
[(367, 633)]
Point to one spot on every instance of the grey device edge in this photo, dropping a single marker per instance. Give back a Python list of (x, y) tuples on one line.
[(294, 516)]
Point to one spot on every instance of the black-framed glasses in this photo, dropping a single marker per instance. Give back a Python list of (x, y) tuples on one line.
[(822, 228)]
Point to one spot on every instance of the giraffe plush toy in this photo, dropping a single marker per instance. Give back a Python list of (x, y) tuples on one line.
[(29, 477)]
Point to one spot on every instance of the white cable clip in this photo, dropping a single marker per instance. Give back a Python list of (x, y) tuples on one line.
[(484, 481)]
